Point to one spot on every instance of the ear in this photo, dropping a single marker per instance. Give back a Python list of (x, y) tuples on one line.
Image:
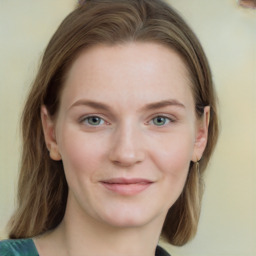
[(201, 135), (49, 134)]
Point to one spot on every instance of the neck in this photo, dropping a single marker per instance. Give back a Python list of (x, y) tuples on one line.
[(81, 233)]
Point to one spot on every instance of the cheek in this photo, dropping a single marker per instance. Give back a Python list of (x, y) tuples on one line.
[(173, 162), (173, 156), (176, 148), (80, 154)]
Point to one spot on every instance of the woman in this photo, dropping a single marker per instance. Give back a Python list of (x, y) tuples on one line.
[(120, 113)]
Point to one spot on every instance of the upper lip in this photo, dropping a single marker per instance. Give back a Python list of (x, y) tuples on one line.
[(127, 181)]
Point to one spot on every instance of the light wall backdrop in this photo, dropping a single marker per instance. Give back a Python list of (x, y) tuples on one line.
[(228, 35)]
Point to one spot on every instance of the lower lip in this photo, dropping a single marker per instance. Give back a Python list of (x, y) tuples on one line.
[(126, 189)]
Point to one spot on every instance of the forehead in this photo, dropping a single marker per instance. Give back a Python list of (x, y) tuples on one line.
[(138, 71)]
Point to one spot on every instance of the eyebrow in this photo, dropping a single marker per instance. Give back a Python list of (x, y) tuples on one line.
[(150, 106), (93, 104), (164, 103)]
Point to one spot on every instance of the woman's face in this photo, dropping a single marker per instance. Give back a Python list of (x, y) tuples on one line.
[(126, 132)]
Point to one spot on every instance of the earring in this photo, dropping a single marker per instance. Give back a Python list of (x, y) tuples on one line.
[(197, 168)]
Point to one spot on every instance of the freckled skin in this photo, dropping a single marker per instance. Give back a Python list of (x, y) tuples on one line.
[(126, 143)]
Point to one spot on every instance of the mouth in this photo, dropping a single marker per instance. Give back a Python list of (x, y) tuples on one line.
[(127, 187)]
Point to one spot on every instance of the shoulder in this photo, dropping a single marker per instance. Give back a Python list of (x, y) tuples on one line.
[(18, 247), (161, 252)]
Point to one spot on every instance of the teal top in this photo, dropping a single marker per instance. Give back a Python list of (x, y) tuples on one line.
[(18, 247), (26, 247)]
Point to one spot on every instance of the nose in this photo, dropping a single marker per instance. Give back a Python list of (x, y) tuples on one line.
[(127, 146)]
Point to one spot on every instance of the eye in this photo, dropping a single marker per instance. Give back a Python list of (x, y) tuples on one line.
[(93, 120), (161, 120)]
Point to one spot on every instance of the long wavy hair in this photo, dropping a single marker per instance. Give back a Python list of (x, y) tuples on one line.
[(42, 188)]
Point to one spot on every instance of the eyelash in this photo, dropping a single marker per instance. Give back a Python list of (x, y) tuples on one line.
[(86, 118), (167, 120)]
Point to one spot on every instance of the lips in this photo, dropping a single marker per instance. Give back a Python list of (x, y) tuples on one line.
[(127, 187)]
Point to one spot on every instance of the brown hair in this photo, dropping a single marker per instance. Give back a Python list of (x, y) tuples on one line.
[(42, 192)]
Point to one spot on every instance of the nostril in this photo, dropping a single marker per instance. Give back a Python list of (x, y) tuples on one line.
[(125, 159)]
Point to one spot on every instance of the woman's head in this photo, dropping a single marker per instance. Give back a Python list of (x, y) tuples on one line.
[(107, 23)]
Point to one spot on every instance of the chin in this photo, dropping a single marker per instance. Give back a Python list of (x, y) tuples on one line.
[(129, 222), (131, 218)]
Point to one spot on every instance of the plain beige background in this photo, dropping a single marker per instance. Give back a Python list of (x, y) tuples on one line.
[(228, 34)]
